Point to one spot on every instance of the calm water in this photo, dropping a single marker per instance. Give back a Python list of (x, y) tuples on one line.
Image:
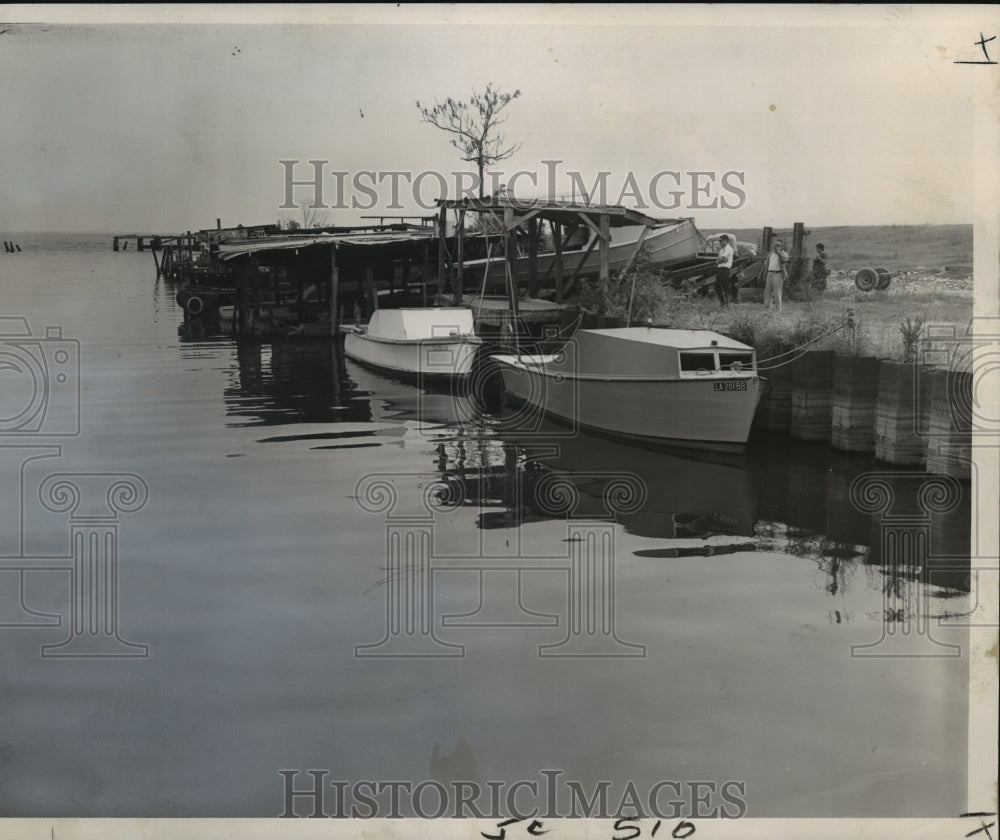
[(277, 478)]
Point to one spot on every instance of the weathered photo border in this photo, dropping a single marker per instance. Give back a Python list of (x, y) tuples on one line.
[(982, 21)]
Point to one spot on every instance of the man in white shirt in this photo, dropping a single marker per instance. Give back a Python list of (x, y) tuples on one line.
[(723, 270), (774, 277)]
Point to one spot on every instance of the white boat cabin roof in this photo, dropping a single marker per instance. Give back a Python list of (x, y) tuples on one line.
[(678, 339), (420, 324)]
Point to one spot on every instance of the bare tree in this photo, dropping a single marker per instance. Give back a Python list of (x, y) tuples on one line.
[(313, 217), (474, 126)]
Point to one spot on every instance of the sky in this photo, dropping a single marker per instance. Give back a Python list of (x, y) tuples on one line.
[(827, 115)]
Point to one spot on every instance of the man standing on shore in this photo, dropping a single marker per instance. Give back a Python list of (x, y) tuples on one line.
[(820, 271), (774, 278), (723, 270)]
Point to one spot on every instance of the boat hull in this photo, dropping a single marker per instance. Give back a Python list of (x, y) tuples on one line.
[(682, 412), (448, 357), (664, 246)]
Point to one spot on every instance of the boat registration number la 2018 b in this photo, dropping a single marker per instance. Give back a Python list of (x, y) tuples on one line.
[(737, 385)]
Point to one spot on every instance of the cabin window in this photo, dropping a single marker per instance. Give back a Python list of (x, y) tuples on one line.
[(693, 362), (744, 361)]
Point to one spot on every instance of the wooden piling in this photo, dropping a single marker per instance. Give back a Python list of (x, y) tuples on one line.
[(532, 257), (334, 290), (557, 243), (855, 391), (460, 279), (897, 415), (371, 296), (511, 258), (255, 297), (605, 247), (812, 395), (244, 311), (774, 411), (442, 222), (949, 423), (426, 272), (798, 240)]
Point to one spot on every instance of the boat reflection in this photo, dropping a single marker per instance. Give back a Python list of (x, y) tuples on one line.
[(552, 475), (797, 499)]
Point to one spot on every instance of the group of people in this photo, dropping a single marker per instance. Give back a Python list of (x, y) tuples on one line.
[(775, 272)]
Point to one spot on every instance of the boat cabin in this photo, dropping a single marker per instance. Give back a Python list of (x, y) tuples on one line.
[(420, 324), (661, 353)]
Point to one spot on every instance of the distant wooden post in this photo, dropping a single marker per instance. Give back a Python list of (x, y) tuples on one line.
[(245, 321), (765, 240), (460, 280), (114, 244), (426, 272), (255, 294), (557, 242), (605, 246), (511, 256), (532, 256), (334, 289), (140, 244), (442, 247), (370, 293), (798, 240)]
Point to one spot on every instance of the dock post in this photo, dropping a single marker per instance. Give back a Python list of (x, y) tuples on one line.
[(243, 320), (948, 430), (114, 245), (140, 244), (898, 411), (855, 392), (442, 247), (532, 256), (557, 243), (510, 255), (460, 280), (334, 289), (812, 395), (426, 272), (371, 295), (605, 246), (798, 240)]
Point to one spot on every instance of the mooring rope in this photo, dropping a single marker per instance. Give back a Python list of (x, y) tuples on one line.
[(847, 321)]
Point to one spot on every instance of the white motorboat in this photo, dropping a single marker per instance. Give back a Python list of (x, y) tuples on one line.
[(434, 343), (687, 387)]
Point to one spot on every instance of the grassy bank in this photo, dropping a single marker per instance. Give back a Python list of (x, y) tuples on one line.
[(896, 247), (878, 316)]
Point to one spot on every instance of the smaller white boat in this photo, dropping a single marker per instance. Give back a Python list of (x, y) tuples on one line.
[(438, 343)]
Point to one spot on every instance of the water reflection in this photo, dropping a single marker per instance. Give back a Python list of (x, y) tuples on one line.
[(780, 496), (553, 476)]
